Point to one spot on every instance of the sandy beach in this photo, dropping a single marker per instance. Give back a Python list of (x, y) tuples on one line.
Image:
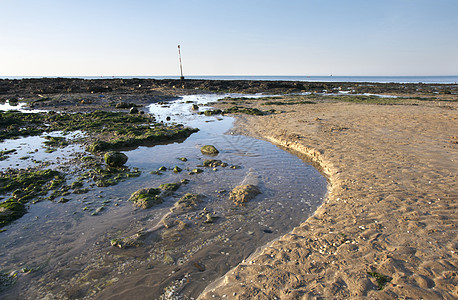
[(388, 228)]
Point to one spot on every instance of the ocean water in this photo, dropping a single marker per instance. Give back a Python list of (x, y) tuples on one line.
[(381, 79)]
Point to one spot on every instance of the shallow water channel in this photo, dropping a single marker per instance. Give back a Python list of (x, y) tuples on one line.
[(63, 250)]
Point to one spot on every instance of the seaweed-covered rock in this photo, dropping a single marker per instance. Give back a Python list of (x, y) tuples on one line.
[(146, 197), (133, 111), (10, 210), (98, 146), (115, 159), (213, 163), (209, 150), (171, 187), (243, 193), (187, 202), (195, 107)]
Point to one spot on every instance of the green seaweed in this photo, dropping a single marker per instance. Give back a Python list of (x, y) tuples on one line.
[(11, 210), (381, 279), (169, 186), (246, 110), (127, 130)]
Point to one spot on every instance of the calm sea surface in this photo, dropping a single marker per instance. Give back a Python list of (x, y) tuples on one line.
[(397, 79)]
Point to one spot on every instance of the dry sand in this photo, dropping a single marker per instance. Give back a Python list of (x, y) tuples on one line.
[(391, 208)]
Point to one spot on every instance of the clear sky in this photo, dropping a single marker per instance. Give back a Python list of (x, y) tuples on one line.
[(236, 37)]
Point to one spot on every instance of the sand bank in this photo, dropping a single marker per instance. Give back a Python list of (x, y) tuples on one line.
[(391, 212)]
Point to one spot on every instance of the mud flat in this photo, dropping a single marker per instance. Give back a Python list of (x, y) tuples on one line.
[(388, 228)]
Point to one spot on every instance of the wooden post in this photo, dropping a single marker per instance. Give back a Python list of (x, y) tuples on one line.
[(181, 67)]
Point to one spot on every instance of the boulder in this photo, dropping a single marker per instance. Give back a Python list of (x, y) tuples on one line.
[(209, 150), (115, 159), (243, 193)]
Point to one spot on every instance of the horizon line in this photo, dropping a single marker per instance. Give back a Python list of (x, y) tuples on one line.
[(78, 76)]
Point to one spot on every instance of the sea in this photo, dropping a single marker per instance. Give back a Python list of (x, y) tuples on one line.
[(450, 79)]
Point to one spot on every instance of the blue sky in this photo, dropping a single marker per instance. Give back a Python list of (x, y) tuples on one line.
[(249, 37)]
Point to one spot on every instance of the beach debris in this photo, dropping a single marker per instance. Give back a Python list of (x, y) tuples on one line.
[(209, 150)]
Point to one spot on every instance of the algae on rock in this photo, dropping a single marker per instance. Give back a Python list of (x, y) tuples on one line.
[(146, 197), (209, 150), (115, 159), (243, 193)]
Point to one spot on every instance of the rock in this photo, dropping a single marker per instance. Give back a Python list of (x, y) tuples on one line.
[(183, 158), (209, 219), (133, 110), (125, 105), (177, 169), (210, 113), (243, 193), (209, 150), (163, 168), (146, 197), (169, 186), (197, 171), (187, 202), (11, 210), (213, 163), (128, 242), (195, 107), (115, 159), (98, 146)]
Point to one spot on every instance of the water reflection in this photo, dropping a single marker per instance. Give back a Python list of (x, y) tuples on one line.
[(75, 245)]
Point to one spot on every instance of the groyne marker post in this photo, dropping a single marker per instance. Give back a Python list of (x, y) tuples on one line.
[(181, 67)]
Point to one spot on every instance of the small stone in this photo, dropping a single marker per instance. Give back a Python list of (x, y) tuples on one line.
[(197, 171)]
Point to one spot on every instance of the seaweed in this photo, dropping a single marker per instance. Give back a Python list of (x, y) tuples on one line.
[(126, 129), (381, 279), (246, 110)]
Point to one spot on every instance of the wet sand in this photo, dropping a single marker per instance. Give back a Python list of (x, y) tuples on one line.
[(391, 211)]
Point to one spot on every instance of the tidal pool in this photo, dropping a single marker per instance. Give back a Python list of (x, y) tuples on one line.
[(63, 250)]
